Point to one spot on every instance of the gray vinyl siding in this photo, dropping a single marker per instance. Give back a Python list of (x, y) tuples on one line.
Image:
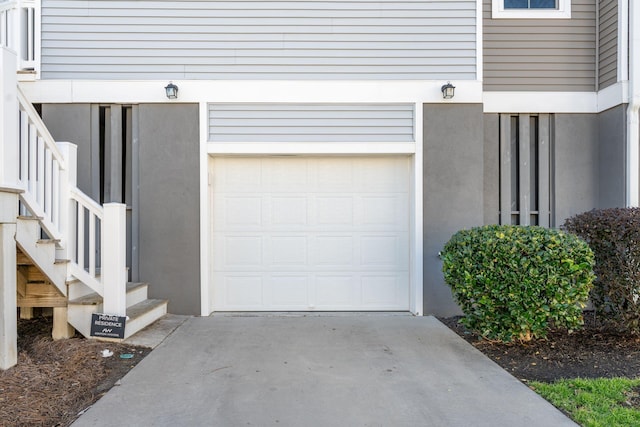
[(541, 54), (608, 43), (326, 40), (311, 123)]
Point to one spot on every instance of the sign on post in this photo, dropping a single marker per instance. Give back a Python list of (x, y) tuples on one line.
[(107, 326)]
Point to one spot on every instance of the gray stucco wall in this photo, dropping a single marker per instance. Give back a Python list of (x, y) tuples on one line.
[(72, 123), (575, 154), (611, 157), (169, 204), (453, 189)]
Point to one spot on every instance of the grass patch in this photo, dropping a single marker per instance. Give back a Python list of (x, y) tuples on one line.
[(602, 402)]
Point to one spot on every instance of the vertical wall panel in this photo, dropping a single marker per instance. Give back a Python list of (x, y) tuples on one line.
[(524, 163)]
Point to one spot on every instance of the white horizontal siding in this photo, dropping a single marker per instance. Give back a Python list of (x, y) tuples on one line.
[(311, 123), (259, 40)]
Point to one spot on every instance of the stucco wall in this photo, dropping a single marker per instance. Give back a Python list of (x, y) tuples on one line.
[(575, 155), (453, 189), (611, 157), (72, 123), (169, 204)]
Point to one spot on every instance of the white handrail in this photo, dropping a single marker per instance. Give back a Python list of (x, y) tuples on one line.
[(19, 30), (6, 5), (88, 203), (88, 237)]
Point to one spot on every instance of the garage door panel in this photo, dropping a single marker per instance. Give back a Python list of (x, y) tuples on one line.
[(289, 211), (332, 251), (238, 175), (383, 291), (243, 251), (382, 212), (381, 251), (333, 292), (289, 291), (241, 291), (310, 233), (241, 211), (334, 211), (287, 251)]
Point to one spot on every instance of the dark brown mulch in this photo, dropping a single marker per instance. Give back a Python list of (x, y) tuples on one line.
[(56, 380), (595, 351)]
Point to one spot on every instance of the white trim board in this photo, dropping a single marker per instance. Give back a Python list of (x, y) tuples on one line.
[(534, 102), (556, 102), (190, 91)]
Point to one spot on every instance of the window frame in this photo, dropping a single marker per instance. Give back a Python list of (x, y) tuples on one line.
[(562, 12)]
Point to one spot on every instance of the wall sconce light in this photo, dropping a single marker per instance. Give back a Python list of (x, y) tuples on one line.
[(448, 90), (172, 90)]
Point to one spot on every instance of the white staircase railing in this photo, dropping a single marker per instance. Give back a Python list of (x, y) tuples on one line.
[(19, 23), (89, 236)]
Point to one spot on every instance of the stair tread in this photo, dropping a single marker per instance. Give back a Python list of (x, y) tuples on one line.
[(13, 190), (45, 241), (95, 299), (144, 307), (30, 218)]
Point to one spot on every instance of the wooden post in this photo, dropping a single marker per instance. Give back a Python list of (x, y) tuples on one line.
[(8, 208), (68, 181), (61, 327), (8, 302), (9, 158), (26, 313), (114, 257)]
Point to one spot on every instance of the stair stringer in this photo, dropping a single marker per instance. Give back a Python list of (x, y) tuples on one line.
[(41, 252)]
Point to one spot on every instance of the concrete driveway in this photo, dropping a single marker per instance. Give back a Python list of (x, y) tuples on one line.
[(331, 370)]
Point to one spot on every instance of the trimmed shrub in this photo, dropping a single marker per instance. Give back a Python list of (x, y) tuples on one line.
[(614, 237), (515, 282)]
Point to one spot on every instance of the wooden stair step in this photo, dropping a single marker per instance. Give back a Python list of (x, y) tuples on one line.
[(95, 299), (30, 218), (144, 307), (89, 299), (45, 241)]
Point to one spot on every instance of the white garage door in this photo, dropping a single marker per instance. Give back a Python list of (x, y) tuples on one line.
[(309, 233)]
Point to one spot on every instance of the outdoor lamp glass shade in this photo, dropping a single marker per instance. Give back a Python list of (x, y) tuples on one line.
[(448, 90), (172, 91)]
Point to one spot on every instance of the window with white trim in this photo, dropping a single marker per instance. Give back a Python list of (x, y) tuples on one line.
[(531, 9)]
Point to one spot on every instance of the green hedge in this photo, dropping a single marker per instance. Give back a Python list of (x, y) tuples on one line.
[(614, 237), (514, 282)]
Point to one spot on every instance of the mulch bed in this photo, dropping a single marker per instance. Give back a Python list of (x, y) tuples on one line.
[(54, 381), (596, 351)]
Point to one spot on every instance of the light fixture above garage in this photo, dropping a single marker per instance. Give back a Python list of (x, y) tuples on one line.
[(172, 91), (448, 90)]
